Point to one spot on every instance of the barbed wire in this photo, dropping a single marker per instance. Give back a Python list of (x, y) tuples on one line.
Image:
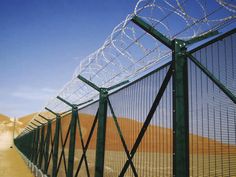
[(129, 51)]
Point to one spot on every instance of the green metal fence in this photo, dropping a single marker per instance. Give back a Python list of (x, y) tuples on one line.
[(179, 120)]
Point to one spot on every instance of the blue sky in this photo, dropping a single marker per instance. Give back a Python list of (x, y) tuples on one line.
[(42, 42)]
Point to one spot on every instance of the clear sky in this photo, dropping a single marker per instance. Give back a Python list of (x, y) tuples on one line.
[(42, 42)]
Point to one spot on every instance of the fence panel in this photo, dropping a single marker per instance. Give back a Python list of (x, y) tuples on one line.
[(136, 147), (84, 165), (212, 116), (131, 106)]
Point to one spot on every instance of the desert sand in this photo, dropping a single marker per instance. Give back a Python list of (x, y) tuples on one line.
[(11, 163), (154, 156)]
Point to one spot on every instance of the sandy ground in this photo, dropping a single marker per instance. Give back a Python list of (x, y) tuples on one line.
[(149, 164), (11, 163), (153, 158)]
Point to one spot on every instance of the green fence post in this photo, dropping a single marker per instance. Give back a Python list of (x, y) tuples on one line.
[(36, 146), (47, 143), (31, 140), (33, 146), (73, 123), (56, 142), (72, 142), (41, 150), (102, 117), (101, 133), (56, 146), (180, 111)]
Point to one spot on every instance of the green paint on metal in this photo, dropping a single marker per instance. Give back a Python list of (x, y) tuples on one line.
[(83, 147), (56, 114), (122, 139), (88, 82), (180, 111), (213, 78), (84, 102), (33, 146), (101, 130), (41, 150), (151, 30), (118, 85), (34, 124), (62, 151), (56, 146), (87, 144), (66, 102), (43, 117), (37, 145), (38, 122), (101, 133), (27, 128), (31, 127), (73, 126), (148, 119), (72, 142), (213, 40), (202, 37), (47, 144)]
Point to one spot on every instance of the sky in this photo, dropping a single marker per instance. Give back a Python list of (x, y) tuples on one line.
[(42, 42)]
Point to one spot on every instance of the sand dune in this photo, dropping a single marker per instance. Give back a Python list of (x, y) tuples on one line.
[(26, 119), (157, 143), (8, 125), (4, 118), (156, 139)]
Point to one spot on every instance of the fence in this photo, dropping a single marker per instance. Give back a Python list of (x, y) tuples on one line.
[(179, 120)]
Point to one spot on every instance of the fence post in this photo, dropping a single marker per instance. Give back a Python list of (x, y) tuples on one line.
[(72, 142), (47, 142), (72, 127), (102, 117), (101, 133), (56, 147), (73, 123), (33, 145), (56, 142), (180, 111), (41, 150), (29, 143), (36, 145), (180, 96)]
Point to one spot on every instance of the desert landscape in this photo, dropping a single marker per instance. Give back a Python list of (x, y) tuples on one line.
[(7, 150), (153, 157)]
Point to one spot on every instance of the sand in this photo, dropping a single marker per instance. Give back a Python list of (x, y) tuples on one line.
[(11, 163), (208, 157)]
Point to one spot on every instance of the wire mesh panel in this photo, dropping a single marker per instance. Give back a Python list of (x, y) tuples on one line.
[(44, 148), (128, 110), (85, 147), (212, 122), (139, 129), (37, 142), (64, 140), (50, 163), (40, 150)]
